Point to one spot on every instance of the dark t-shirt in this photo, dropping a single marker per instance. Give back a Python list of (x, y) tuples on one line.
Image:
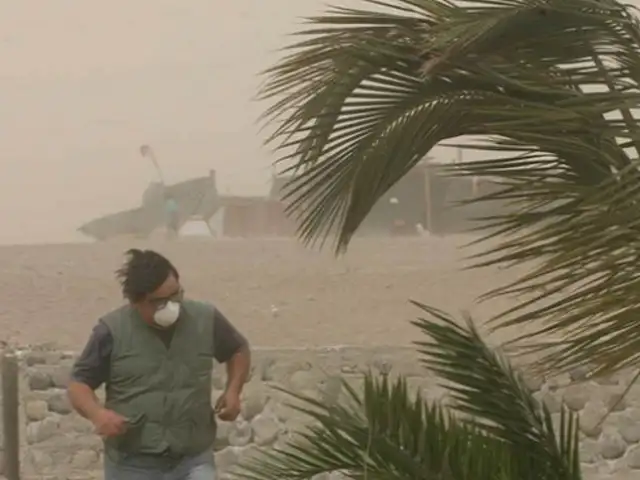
[(93, 364)]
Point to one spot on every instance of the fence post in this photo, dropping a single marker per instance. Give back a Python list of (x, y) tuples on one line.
[(10, 416)]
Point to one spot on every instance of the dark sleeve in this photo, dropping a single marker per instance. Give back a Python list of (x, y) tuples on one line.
[(227, 340), (92, 366)]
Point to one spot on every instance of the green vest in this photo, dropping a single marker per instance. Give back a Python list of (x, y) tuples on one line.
[(165, 393)]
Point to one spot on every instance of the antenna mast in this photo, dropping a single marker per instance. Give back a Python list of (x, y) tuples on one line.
[(147, 152)]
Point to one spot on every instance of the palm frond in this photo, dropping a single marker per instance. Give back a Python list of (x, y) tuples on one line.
[(481, 383), (363, 96), (388, 433), (383, 434), (366, 95)]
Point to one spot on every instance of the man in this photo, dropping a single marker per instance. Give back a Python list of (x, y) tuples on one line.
[(155, 356)]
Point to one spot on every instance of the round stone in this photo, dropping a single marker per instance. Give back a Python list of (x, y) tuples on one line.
[(265, 428), (254, 402), (226, 458), (589, 451), (43, 430), (303, 380), (240, 434), (222, 434), (633, 457), (35, 358), (60, 376), (590, 419), (575, 397), (616, 402), (59, 403), (579, 374), (612, 446), (85, 459), (36, 410), (630, 432), (39, 380), (551, 402), (533, 382)]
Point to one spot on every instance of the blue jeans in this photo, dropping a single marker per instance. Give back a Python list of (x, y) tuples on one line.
[(200, 467)]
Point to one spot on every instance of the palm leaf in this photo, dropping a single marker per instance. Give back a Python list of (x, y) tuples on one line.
[(363, 96), (387, 433), (483, 390)]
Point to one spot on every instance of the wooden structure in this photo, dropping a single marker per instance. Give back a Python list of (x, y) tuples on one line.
[(254, 217), (197, 199)]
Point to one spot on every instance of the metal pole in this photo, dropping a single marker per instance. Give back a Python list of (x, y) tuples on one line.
[(10, 417)]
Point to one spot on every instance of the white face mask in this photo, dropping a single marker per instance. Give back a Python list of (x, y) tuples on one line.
[(167, 315)]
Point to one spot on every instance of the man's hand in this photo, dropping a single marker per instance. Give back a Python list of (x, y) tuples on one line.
[(108, 423), (228, 406)]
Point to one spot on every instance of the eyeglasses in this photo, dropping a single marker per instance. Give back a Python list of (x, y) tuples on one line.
[(161, 302)]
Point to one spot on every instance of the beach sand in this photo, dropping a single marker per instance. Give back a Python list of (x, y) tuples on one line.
[(276, 291)]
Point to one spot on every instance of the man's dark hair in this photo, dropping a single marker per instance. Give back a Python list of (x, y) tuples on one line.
[(143, 273)]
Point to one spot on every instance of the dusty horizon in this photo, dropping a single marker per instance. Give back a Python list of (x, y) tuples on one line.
[(85, 84)]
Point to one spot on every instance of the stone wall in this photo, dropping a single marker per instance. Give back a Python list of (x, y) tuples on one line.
[(58, 444)]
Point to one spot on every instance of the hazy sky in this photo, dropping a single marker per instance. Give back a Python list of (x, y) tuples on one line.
[(85, 83)]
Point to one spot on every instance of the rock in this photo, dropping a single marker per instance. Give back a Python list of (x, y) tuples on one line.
[(225, 459), (350, 369), (265, 429), (630, 432), (264, 370), (557, 382), (303, 380), (222, 435), (632, 457), (589, 451), (551, 401), (579, 374), (250, 451), (85, 459), (59, 403), (533, 382), (60, 376), (590, 419), (39, 380), (575, 397), (254, 402), (590, 471), (36, 410), (383, 366), (39, 460), (240, 434), (338, 476), (616, 402), (607, 380), (331, 390), (76, 424), (35, 358), (612, 446), (43, 430)]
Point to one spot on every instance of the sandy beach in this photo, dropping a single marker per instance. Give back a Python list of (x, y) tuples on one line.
[(276, 291)]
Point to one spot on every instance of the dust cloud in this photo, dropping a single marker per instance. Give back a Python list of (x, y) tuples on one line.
[(85, 84)]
